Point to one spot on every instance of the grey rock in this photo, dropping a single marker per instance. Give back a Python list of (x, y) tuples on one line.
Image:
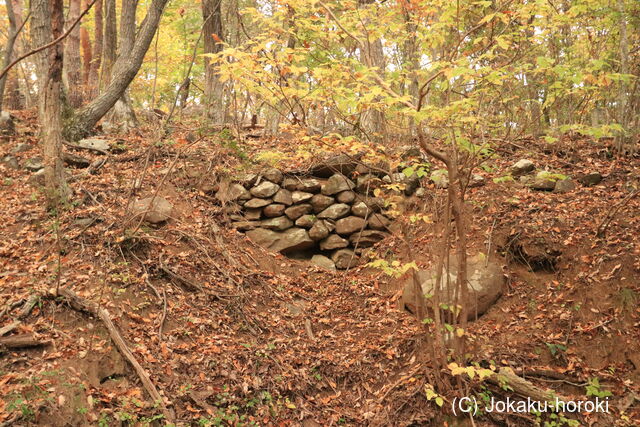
[(291, 240), (280, 223), (10, 162), (323, 261), (336, 184), (335, 211), (542, 182), (378, 221), (411, 183), (350, 224), (346, 197), (360, 209), (34, 165), (319, 231), (477, 181), (247, 180), (366, 184), (306, 221), (252, 214), (564, 186), (246, 225), (265, 189), (21, 148), (300, 196), (257, 203), (344, 258), (154, 213), (95, 144), (273, 175), (283, 196), (332, 242), (296, 211), (367, 238), (485, 284), (7, 126), (522, 167), (320, 202), (591, 179), (230, 192), (309, 185), (421, 192), (274, 210), (290, 183)]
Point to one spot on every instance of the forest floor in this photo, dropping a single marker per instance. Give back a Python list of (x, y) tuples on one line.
[(232, 334)]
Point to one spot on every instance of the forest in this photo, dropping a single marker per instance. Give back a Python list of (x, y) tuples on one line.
[(320, 213)]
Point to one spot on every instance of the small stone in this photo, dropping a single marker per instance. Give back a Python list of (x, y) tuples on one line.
[(367, 238), (34, 165), (477, 181), (344, 258), (21, 148), (95, 144), (323, 261), (295, 212), (378, 221), (246, 225), (333, 241), (154, 213), (591, 179), (319, 231), (411, 183), (306, 221), (10, 162), (440, 178), (335, 211), (274, 210), (346, 197), (257, 203), (336, 184), (542, 182), (421, 192), (283, 196), (320, 202), (280, 223), (252, 214), (309, 185), (522, 167), (350, 224), (265, 189), (564, 186), (300, 196), (273, 175)]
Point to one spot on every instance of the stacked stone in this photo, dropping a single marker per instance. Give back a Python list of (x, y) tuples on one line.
[(336, 216)]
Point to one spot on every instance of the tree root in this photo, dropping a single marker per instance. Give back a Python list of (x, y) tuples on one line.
[(81, 304)]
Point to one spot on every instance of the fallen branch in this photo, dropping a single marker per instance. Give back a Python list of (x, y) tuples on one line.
[(507, 378), (81, 304), (22, 341), (9, 328), (28, 306)]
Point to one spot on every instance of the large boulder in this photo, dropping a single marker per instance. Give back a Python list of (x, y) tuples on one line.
[(335, 211), (155, 210), (485, 284), (350, 224), (291, 240), (336, 184)]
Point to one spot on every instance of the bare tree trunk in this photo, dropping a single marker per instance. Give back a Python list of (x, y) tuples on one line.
[(212, 16), (8, 51), (85, 44), (48, 22), (122, 116), (125, 70), (624, 69), (110, 42), (72, 64), (96, 60)]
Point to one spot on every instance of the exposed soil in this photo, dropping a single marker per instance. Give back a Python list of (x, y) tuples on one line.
[(254, 337)]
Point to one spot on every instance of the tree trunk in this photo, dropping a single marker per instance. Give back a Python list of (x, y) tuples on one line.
[(624, 69), (125, 70), (48, 22), (8, 51), (110, 42), (85, 44), (212, 16), (122, 117), (72, 64), (94, 75)]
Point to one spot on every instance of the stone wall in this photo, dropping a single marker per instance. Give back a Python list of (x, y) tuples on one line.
[(332, 218)]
